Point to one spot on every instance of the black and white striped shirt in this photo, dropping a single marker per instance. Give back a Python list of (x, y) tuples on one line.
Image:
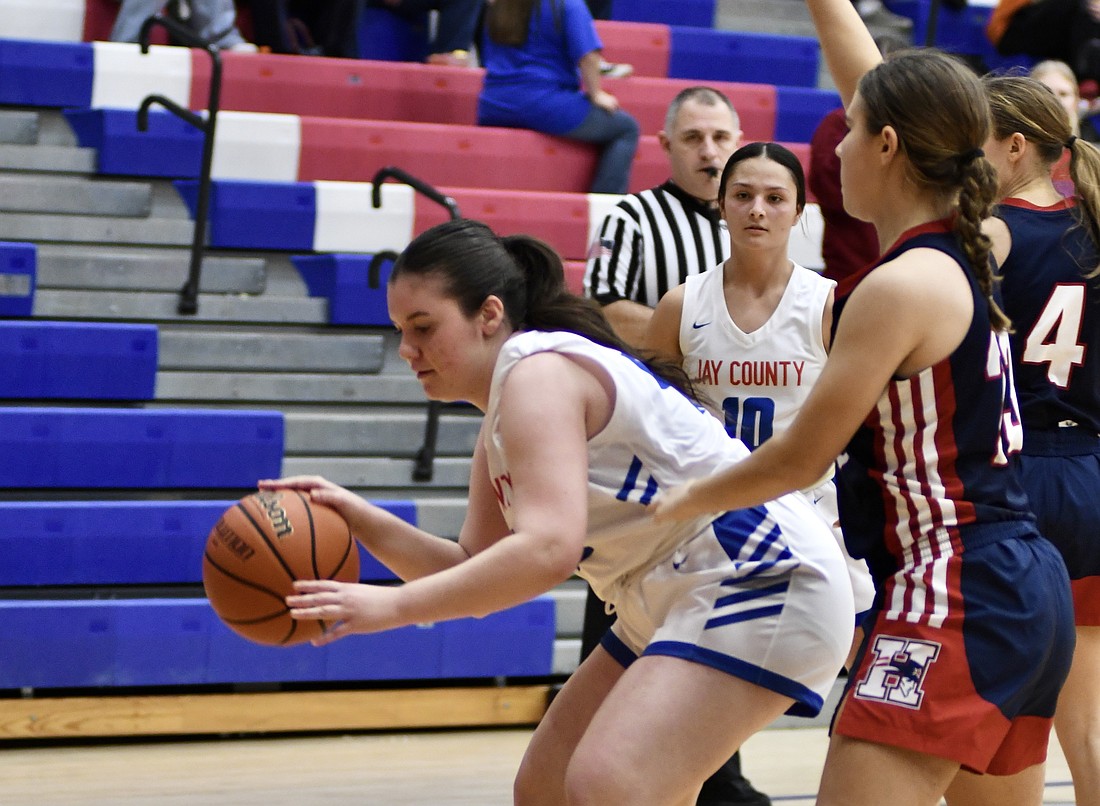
[(650, 243)]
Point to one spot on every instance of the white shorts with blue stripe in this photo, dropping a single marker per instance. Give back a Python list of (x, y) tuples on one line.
[(762, 594)]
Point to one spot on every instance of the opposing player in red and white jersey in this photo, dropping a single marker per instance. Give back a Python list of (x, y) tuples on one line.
[(971, 635)]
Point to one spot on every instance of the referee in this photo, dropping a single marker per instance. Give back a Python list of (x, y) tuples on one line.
[(648, 244), (651, 241)]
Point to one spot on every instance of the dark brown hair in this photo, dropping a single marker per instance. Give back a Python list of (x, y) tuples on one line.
[(527, 276)]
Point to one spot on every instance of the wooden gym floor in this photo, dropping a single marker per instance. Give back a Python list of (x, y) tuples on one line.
[(459, 767)]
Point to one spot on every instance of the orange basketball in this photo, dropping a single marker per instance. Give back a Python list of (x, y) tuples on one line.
[(259, 547)]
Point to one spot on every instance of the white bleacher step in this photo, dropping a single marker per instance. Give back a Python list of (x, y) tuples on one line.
[(146, 306), (23, 193), (87, 266), (18, 127), (204, 349), (48, 158), (382, 432), (301, 388), (369, 473), (44, 228)]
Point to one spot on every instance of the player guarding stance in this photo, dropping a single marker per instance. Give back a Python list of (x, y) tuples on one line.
[(972, 632)]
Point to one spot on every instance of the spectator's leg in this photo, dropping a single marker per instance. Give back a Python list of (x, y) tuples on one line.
[(457, 23), (269, 21), (618, 133), (213, 17), (130, 17), (333, 24)]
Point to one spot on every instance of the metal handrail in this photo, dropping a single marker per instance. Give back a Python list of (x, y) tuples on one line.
[(424, 466), (189, 294)]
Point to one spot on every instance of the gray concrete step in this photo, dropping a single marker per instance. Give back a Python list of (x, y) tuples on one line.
[(87, 266), (48, 158), (18, 127), (374, 472), (382, 388), (27, 193), (48, 228), (147, 306), (285, 389), (279, 353), (384, 432)]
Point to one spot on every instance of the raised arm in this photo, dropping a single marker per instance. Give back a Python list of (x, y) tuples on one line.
[(849, 49)]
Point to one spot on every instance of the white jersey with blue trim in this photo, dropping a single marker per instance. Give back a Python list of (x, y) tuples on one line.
[(754, 382), (655, 439)]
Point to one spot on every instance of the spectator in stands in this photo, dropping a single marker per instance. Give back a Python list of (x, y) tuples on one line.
[(307, 27), (213, 20), (1066, 30), (848, 244), (1061, 79), (454, 31), (532, 53), (647, 245), (679, 683)]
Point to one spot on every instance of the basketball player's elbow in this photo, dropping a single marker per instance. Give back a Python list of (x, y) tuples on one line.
[(554, 556)]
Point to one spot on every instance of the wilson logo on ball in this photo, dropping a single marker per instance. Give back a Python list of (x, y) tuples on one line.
[(280, 523)]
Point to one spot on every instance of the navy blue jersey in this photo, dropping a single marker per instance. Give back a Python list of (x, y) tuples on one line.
[(1055, 314), (930, 464)]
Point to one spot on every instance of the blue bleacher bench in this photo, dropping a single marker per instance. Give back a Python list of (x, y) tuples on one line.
[(343, 279), (756, 58), (158, 642), (91, 360), (138, 448), (698, 13), (18, 275), (257, 215), (799, 110), (51, 74), (169, 148), (59, 543)]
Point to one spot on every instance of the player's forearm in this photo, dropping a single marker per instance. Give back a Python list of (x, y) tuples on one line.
[(403, 548), (629, 320)]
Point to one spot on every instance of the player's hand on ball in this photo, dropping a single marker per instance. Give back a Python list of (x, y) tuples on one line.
[(348, 607), (677, 504), (350, 506)]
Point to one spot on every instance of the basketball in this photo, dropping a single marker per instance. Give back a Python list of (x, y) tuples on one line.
[(256, 550)]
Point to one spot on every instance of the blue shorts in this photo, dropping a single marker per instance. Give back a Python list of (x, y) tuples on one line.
[(1061, 472), (979, 688)]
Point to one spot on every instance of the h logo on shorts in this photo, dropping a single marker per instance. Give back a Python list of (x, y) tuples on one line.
[(898, 671)]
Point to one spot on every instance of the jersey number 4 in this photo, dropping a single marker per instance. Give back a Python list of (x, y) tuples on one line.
[(1055, 339)]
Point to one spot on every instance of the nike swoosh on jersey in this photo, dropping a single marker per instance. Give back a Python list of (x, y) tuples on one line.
[(696, 325)]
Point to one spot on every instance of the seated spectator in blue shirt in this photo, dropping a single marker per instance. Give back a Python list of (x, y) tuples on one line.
[(542, 72)]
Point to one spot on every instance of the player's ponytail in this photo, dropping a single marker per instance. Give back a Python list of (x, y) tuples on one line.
[(938, 108)]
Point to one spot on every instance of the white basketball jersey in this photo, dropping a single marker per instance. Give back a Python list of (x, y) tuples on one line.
[(754, 382), (656, 438)]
